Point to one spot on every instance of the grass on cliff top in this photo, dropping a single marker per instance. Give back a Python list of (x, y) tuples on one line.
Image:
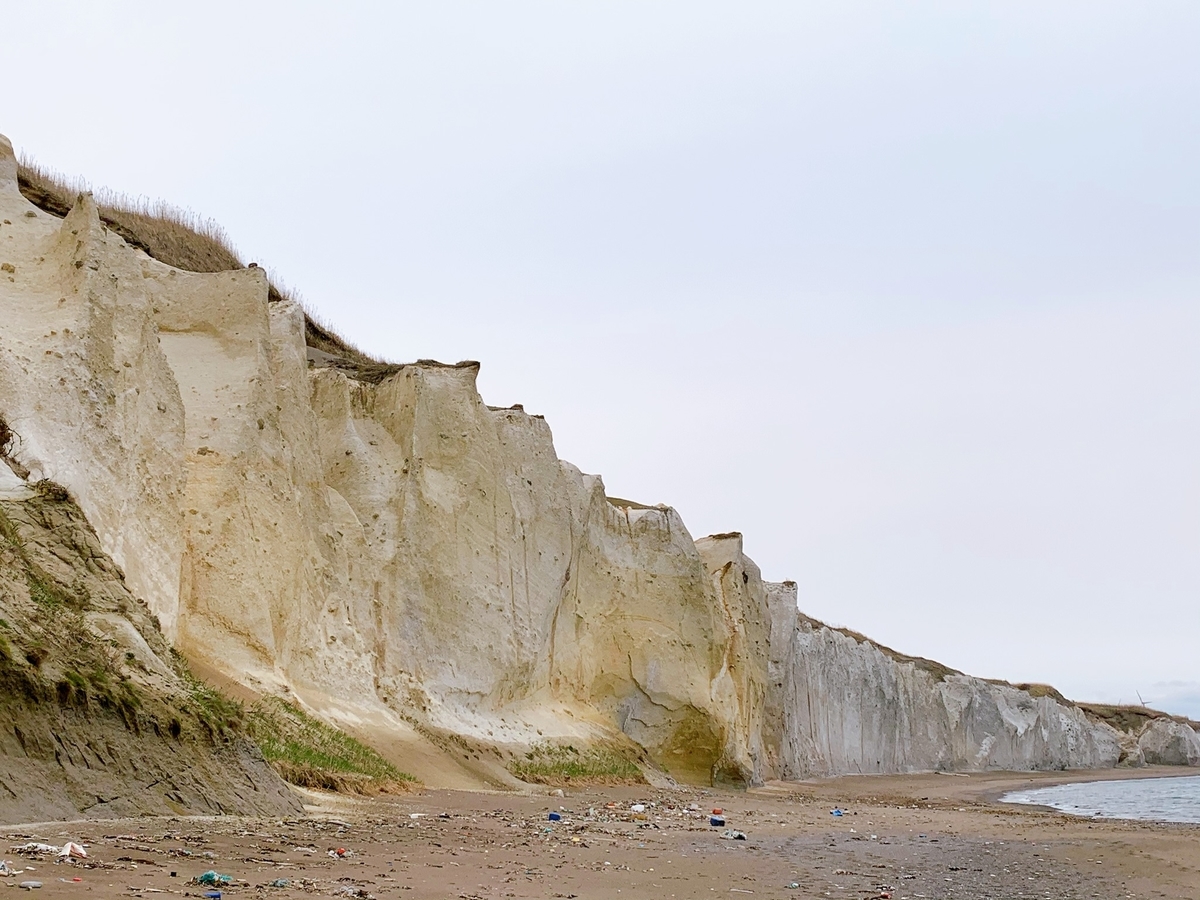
[(1131, 718), (561, 765), (309, 753), (932, 666), (182, 239), (1123, 718)]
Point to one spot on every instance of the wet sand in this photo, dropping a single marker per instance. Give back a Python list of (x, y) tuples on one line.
[(921, 836)]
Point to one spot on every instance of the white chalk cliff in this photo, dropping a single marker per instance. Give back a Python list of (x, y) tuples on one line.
[(402, 555)]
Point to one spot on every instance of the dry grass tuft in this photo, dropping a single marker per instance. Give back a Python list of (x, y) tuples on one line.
[(309, 753), (1131, 718), (938, 670), (554, 764), (177, 237), (185, 240), (1043, 690)]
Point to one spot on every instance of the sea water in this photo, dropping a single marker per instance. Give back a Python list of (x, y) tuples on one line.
[(1159, 799)]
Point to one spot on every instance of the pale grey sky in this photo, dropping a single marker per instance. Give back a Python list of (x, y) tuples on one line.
[(908, 294)]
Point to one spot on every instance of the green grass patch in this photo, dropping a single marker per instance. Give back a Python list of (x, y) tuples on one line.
[(564, 764), (218, 712), (310, 753), (77, 681), (9, 533), (41, 591)]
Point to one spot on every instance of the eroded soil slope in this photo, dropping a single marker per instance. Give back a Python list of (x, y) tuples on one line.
[(97, 716)]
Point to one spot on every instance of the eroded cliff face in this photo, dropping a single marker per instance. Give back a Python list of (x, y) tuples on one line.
[(401, 552), (1164, 742), (398, 547), (507, 595), (850, 705)]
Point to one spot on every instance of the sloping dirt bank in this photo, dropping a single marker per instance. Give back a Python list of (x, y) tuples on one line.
[(97, 717)]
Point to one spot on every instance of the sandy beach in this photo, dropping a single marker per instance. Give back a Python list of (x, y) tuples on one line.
[(921, 836)]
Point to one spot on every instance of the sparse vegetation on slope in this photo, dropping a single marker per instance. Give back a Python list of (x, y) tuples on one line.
[(182, 239), (309, 753), (1130, 719), (560, 765), (92, 718), (50, 654), (218, 712)]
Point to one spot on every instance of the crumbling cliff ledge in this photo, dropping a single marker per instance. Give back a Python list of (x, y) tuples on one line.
[(403, 559)]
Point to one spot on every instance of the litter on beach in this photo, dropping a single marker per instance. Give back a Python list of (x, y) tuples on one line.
[(214, 878), (72, 850), (34, 847)]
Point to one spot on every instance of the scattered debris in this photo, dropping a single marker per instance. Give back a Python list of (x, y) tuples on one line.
[(213, 878), (350, 890), (72, 850), (731, 835)]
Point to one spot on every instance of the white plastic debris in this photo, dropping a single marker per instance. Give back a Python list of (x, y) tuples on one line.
[(72, 850)]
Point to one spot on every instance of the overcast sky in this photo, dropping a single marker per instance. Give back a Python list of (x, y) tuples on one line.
[(906, 293)]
